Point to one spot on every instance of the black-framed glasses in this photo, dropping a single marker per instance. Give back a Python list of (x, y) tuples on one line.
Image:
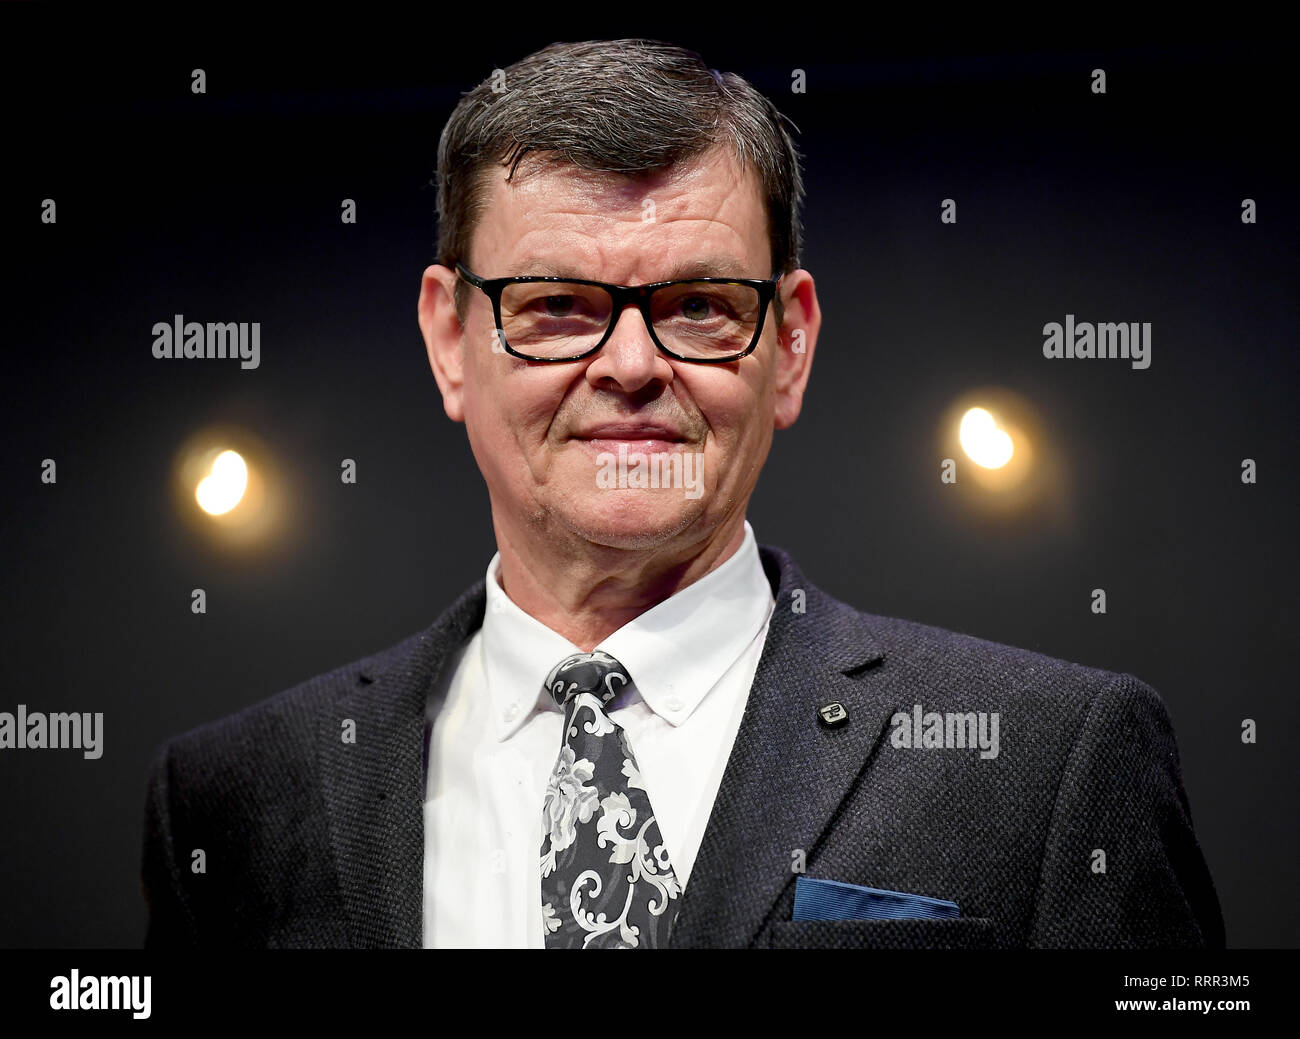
[(704, 320)]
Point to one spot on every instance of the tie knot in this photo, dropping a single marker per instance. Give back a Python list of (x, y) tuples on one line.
[(597, 673)]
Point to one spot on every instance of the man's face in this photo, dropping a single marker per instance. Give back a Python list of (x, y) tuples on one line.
[(539, 430)]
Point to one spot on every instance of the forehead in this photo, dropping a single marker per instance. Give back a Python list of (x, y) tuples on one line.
[(564, 220)]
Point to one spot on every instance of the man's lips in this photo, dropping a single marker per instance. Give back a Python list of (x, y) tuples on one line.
[(644, 439), (631, 433)]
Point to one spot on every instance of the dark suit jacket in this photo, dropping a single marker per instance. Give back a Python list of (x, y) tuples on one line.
[(311, 841)]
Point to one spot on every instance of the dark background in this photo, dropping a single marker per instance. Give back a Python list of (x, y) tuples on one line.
[(1122, 207)]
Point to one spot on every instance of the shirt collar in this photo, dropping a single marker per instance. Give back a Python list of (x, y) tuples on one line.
[(675, 652)]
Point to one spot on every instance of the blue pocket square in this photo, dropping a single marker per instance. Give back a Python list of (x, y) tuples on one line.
[(834, 900)]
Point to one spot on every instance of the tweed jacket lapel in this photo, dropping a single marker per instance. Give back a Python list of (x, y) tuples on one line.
[(787, 772), (374, 788)]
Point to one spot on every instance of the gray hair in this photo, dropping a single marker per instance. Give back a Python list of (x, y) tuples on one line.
[(628, 107)]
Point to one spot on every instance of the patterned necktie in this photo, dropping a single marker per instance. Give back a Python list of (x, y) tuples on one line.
[(606, 878)]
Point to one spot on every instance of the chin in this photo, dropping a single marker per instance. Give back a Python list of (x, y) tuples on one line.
[(632, 519)]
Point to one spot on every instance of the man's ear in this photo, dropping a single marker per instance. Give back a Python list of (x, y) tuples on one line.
[(443, 337), (795, 344)]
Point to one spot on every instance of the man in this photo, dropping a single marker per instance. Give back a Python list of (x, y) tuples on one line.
[(644, 730)]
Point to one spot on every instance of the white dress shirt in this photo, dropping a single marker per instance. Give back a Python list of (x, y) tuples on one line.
[(495, 736)]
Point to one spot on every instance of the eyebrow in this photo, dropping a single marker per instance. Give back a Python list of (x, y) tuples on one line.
[(714, 266)]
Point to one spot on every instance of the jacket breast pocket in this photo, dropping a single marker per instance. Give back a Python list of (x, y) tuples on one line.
[(964, 932)]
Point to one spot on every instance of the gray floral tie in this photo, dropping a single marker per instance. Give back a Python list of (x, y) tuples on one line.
[(606, 878)]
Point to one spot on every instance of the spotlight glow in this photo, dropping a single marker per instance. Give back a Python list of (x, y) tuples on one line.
[(223, 488), (983, 441)]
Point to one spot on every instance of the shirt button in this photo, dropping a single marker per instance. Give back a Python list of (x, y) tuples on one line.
[(675, 705), (512, 712)]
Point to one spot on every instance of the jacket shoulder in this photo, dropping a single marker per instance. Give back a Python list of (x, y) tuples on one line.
[(1045, 692), (947, 665), (283, 724), (975, 657)]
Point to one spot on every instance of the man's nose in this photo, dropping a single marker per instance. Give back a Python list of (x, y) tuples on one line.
[(630, 357)]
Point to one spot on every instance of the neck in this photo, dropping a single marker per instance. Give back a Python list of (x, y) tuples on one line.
[(588, 591)]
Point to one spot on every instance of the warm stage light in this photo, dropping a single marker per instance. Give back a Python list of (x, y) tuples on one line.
[(221, 490), (998, 459), (983, 441)]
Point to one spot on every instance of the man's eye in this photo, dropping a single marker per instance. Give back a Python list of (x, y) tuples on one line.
[(558, 306), (696, 308)]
